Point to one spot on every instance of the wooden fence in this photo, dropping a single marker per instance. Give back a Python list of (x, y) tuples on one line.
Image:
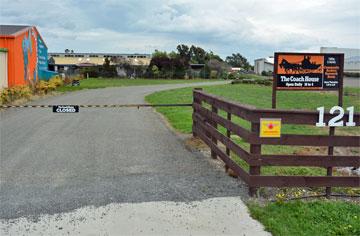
[(207, 120)]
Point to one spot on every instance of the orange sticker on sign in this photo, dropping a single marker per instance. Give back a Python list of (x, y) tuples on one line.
[(270, 128)]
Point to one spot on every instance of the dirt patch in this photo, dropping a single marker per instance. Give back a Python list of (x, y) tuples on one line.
[(195, 143)]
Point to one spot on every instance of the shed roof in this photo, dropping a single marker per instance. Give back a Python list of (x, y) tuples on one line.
[(12, 29)]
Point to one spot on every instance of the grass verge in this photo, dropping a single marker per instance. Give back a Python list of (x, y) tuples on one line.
[(308, 218), (95, 83)]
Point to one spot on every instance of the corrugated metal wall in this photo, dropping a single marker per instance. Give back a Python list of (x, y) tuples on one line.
[(22, 57)]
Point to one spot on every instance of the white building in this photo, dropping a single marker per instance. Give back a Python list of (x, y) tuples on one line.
[(351, 57), (264, 64)]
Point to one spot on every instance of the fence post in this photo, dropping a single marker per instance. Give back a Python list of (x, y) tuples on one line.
[(228, 134), (197, 101), (215, 110), (329, 169), (254, 149)]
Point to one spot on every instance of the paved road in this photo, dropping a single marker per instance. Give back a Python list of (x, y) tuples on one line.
[(54, 163)]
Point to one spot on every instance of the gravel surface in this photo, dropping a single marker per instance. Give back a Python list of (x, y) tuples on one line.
[(55, 164)]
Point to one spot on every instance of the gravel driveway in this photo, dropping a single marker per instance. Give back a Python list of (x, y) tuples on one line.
[(55, 163)]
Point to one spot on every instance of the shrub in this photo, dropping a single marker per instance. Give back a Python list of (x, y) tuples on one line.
[(266, 73), (17, 92), (224, 76), (213, 74), (56, 81), (231, 76), (42, 87)]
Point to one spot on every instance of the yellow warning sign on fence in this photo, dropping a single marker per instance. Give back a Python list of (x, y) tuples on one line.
[(270, 128)]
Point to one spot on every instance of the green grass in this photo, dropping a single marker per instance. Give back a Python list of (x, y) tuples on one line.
[(308, 218), (95, 83)]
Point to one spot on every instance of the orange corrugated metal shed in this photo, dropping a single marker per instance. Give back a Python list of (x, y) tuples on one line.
[(21, 41)]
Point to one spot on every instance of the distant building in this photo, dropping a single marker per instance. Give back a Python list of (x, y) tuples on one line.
[(264, 64), (63, 62), (23, 54), (235, 69), (351, 57)]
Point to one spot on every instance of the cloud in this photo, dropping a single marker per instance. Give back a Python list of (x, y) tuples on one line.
[(253, 28)]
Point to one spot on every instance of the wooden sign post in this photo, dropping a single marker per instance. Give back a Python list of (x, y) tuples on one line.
[(310, 71)]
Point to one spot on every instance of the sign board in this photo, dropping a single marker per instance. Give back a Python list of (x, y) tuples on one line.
[(65, 109), (308, 71), (270, 128)]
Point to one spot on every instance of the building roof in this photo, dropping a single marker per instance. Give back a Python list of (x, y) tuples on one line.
[(105, 54), (74, 59), (12, 29)]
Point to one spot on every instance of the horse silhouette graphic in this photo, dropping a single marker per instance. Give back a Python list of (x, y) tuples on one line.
[(304, 66)]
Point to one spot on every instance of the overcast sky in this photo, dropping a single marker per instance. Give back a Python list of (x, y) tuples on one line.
[(253, 28)]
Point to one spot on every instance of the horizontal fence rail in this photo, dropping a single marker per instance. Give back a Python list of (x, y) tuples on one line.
[(206, 119), (101, 105)]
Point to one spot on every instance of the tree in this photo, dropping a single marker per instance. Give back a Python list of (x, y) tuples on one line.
[(107, 69), (175, 64), (155, 71), (211, 55), (184, 52), (218, 66), (106, 63), (237, 60), (198, 55)]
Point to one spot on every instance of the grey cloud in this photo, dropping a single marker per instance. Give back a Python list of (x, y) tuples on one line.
[(254, 28)]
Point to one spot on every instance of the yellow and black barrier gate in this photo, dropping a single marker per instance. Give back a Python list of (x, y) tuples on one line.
[(76, 108)]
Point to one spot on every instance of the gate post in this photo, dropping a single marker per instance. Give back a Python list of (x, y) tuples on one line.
[(330, 169), (196, 100), (228, 134), (213, 124), (254, 149)]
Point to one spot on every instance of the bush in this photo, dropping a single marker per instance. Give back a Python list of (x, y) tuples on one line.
[(43, 87), (56, 81), (17, 92), (231, 76), (92, 72), (266, 73), (265, 82), (224, 76), (352, 74), (213, 74)]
